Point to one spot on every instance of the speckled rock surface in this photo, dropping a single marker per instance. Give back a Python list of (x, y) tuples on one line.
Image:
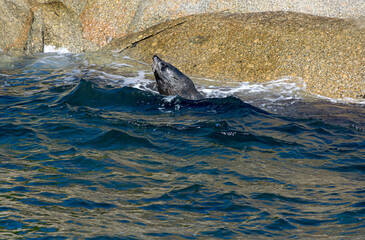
[(328, 53), (15, 22), (26, 26), (93, 23), (106, 20), (154, 11), (63, 28)]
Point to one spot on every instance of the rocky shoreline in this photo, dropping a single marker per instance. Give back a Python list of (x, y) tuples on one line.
[(327, 53), (226, 40)]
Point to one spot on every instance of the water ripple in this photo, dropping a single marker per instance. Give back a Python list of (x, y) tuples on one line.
[(91, 151)]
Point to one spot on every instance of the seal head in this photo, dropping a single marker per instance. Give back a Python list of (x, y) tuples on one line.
[(170, 81)]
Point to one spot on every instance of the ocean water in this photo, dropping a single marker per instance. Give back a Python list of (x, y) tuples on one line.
[(90, 150)]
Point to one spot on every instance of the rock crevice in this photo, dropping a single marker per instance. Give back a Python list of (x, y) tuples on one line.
[(327, 53)]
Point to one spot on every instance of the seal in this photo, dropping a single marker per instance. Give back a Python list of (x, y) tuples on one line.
[(170, 81)]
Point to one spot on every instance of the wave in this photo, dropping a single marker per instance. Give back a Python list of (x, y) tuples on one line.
[(88, 93), (244, 140), (12, 130), (115, 139)]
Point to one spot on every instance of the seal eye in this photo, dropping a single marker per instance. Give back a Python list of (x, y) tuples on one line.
[(163, 66)]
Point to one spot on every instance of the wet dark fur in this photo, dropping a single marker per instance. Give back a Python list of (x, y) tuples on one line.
[(170, 81)]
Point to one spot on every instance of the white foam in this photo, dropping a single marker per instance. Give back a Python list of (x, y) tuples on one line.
[(53, 49), (126, 57), (283, 91), (169, 99), (119, 65), (140, 78), (110, 77), (52, 61), (278, 90), (5, 84), (341, 100)]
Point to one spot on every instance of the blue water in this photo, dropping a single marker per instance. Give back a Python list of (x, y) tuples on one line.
[(86, 152)]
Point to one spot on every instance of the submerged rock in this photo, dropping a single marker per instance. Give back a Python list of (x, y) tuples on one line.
[(328, 53)]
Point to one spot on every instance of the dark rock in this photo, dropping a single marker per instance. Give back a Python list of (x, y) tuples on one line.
[(35, 39)]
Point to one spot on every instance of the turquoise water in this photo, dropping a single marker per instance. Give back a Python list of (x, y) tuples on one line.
[(89, 150)]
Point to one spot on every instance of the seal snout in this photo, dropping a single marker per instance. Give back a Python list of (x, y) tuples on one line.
[(155, 61), (155, 58)]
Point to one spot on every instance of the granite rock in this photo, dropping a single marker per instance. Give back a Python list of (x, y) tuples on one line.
[(234, 40), (26, 26), (327, 53), (106, 20), (15, 22), (92, 24), (63, 28)]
